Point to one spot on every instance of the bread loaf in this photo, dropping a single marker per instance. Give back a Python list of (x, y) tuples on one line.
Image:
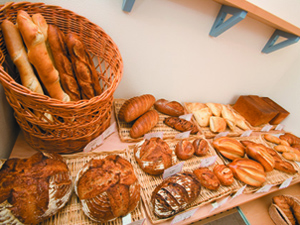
[(207, 178), (180, 124), (224, 174), (171, 108), (248, 171), (144, 124), (62, 62), (201, 146), (229, 147), (174, 194), (135, 107), (184, 149), (259, 153), (83, 66), (217, 124), (107, 188), (33, 189), (154, 156), (281, 112), (38, 55)]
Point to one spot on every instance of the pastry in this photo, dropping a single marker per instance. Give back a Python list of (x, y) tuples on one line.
[(224, 174), (180, 124), (207, 178)]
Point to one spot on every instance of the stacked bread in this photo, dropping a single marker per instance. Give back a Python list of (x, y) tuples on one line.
[(50, 62)]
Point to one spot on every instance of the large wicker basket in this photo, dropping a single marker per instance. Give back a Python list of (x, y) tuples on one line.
[(74, 123)]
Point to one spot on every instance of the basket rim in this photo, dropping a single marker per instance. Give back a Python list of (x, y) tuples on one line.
[(20, 89)]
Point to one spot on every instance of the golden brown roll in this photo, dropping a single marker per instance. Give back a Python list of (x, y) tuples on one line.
[(184, 149), (275, 140), (144, 124), (224, 174), (171, 108), (201, 146), (229, 147), (207, 178), (107, 188), (290, 138)]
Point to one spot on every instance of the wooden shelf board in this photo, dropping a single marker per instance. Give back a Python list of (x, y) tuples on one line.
[(262, 15)]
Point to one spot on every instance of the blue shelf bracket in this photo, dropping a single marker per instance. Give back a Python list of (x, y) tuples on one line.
[(274, 44), (127, 5), (222, 24)]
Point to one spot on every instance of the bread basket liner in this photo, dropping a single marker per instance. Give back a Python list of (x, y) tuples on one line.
[(149, 182), (124, 128), (278, 216), (82, 120), (72, 213), (274, 177)]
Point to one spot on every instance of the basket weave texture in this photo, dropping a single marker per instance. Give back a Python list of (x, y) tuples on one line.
[(74, 123)]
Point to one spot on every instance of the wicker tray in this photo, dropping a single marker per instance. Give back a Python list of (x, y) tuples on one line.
[(75, 123), (124, 128), (149, 182), (72, 213), (274, 177)]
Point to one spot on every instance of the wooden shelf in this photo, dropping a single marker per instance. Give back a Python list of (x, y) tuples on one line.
[(262, 15)]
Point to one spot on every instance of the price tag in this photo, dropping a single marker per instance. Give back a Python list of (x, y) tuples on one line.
[(126, 219), (214, 205), (208, 161), (265, 188), (183, 216), (222, 134), (224, 201), (187, 117), (99, 140), (151, 135), (286, 183), (239, 192), (173, 170), (183, 135), (246, 133), (279, 127), (138, 222), (298, 163), (266, 128)]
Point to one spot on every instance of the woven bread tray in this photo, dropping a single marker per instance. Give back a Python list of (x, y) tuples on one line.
[(124, 128), (72, 212), (74, 123), (274, 177), (149, 182)]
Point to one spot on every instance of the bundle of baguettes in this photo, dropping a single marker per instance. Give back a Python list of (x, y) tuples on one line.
[(64, 69)]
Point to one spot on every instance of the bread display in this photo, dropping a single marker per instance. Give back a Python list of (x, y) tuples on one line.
[(144, 124), (229, 147), (181, 124), (201, 146), (259, 153), (33, 189), (174, 194), (207, 178), (63, 64), (171, 108), (224, 174), (135, 107), (107, 188), (248, 171), (153, 156), (184, 149)]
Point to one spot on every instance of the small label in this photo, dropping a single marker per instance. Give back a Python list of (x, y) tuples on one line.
[(183, 216), (183, 135), (224, 201), (126, 219), (279, 127), (138, 222), (173, 170), (246, 133), (286, 183), (266, 128), (99, 140), (265, 188), (214, 205), (152, 135), (208, 161), (298, 163), (222, 134), (239, 192), (187, 117)]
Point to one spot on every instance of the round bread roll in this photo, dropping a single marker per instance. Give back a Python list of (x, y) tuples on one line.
[(33, 189), (201, 147), (184, 149), (154, 156), (107, 188)]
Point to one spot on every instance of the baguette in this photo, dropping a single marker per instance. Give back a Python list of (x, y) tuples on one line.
[(144, 124), (84, 68), (38, 55), (135, 107), (18, 54), (62, 62), (172, 108)]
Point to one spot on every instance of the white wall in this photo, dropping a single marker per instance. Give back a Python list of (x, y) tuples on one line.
[(167, 51)]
